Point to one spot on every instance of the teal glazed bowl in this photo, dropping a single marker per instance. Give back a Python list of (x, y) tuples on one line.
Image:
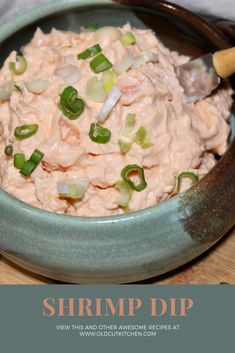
[(139, 245)]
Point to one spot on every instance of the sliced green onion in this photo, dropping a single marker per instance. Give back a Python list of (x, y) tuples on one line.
[(36, 156), (126, 140), (29, 166), (142, 138), (95, 90), (113, 98), (128, 39), (93, 26), (184, 175), (69, 73), (99, 134), (107, 33), (109, 79), (150, 56), (70, 104), (126, 192), (124, 65), (19, 160), (25, 131), (134, 170), (18, 67), (129, 125), (125, 145), (6, 90), (100, 63), (37, 86), (8, 150), (90, 52), (73, 188)]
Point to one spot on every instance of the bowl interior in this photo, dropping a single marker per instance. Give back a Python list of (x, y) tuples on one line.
[(175, 31)]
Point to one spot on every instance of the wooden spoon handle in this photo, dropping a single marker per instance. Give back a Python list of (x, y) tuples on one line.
[(224, 62)]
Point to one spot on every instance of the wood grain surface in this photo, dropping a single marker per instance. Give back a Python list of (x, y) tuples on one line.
[(213, 267)]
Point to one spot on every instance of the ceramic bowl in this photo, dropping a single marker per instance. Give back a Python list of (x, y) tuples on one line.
[(139, 245)]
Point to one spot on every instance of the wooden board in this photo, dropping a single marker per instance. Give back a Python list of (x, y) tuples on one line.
[(217, 265)]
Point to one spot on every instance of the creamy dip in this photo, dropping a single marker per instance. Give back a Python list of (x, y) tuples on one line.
[(164, 137)]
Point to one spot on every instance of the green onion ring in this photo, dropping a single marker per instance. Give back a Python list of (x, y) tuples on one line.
[(134, 168), (25, 131), (29, 166), (18, 67), (90, 52), (70, 104), (184, 175), (19, 160), (100, 63), (99, 134), (36, 156), (128, 39)]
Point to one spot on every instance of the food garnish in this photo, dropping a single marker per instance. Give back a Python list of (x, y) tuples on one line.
[(25, 131), (184, 175), (99, 134), (134, 170), (70, 104)]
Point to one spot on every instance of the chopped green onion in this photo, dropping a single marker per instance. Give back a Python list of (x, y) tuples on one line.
[(70, 104), (99, 134), (90, 52), (29, 166), (36, 156), (25, 131), (109, 79), (100, 63), (19, 160), (124, 65), (93, 26), (129, 125), (150, 56), (108, 32), (126, 140), (95, 90), (128, 39), (6, 90), (184, 175), (73, 188), (113, 98), (18, 67), (125, 146), (126, 192), (134, 170), (142, 138), (8, 150), (131, 118), (37, 86)]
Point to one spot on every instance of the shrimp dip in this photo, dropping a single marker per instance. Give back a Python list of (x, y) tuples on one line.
[(96, 124)]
